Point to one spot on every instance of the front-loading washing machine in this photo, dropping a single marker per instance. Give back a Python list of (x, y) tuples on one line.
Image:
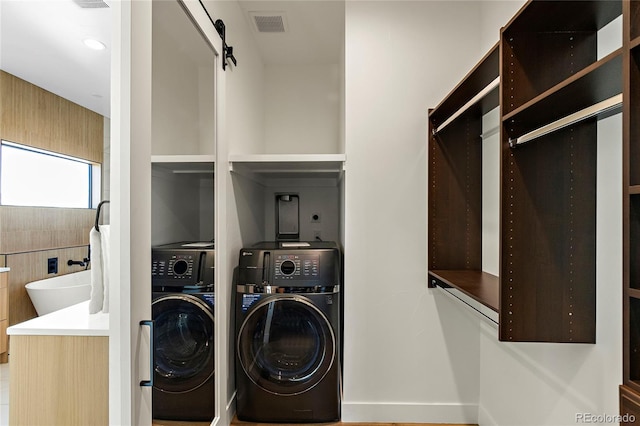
[(183, 301), (288, 333)]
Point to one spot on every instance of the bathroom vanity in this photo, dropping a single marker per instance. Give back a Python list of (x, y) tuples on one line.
[(60, 360)]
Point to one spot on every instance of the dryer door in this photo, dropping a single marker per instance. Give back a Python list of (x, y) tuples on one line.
[(286, 345), (183, 343)]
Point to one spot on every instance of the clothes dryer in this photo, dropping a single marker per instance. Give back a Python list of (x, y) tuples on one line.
[(183, 313), (288, 324), (183, 377)]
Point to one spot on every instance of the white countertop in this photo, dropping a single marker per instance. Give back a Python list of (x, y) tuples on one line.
[(4, 270), (72, 321)]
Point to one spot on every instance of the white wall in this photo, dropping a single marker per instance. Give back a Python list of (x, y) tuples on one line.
[(411, 355), (183, 98), (244, 100), (494, 14), (106, 169), (491, 192), (322, 198), (175, 206), (302, 109), (182, 206)]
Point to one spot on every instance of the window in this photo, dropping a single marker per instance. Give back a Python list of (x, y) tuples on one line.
[(34, 177)]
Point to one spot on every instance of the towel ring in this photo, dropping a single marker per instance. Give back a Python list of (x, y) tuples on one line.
[(98, 214)]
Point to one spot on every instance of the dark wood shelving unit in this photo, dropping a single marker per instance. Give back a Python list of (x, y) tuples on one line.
[(455, 183), (549, 73)]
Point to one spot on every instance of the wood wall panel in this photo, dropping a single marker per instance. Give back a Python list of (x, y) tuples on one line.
[(29, 236), (33, 116), (24, 229), (27, 267), (59, 380)]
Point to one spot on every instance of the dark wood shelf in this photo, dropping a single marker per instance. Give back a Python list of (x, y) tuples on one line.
[(483, 74), (585, 88), (558, 16), (634, 293), (634, 189), (634, 43), (480, 286), (547, 43)]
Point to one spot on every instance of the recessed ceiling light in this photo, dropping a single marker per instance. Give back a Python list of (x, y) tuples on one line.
[(94, 44)]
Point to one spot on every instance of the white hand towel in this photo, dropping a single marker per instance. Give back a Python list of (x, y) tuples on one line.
[(105, 234), (97, 288)]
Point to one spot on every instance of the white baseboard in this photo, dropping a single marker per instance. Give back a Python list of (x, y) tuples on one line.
[(393, 412), (485, 418)]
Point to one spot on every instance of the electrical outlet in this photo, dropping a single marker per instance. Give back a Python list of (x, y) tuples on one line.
[(52, 265), (314, 218)]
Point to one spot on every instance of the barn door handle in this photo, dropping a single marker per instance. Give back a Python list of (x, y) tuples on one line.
[(149, 382)]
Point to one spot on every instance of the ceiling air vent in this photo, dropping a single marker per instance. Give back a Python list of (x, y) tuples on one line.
[(91, 4), (269, 22)]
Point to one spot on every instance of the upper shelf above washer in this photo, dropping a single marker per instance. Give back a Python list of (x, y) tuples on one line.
[(185, 163), (288, 166)]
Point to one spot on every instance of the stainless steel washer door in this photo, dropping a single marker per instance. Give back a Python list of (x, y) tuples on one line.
[(183, 343), (286, 345)]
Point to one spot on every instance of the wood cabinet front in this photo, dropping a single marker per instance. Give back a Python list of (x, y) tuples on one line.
[(66, 377)]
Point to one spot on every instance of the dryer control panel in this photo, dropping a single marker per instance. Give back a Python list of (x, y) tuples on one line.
[(182, 267), (290, 267), (318, 264)]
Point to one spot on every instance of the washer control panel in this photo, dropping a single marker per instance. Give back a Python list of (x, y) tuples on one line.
[(289, 267), (176, 266), (172, 267), (312, 264)]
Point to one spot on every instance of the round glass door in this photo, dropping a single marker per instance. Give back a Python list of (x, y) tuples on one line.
[(286, 345), (183, 343)]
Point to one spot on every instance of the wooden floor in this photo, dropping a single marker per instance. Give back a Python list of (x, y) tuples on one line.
[(237, 422)]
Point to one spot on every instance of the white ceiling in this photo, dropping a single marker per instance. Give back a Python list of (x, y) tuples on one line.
[(41, 42)]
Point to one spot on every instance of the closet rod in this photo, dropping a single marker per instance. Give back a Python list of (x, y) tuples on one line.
[(495, 83), (601, 107)]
